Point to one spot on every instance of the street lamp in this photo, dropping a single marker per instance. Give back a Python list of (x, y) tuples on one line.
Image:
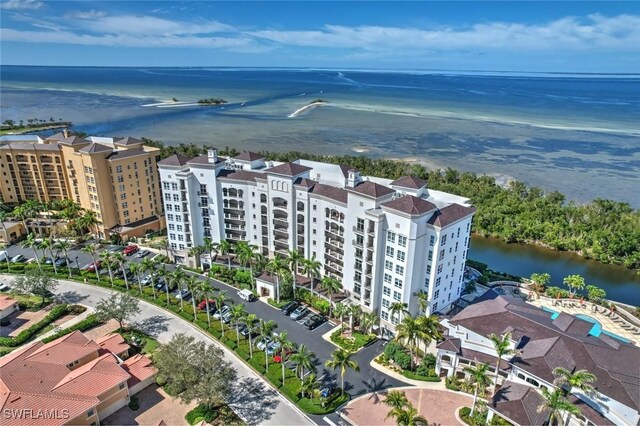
[(77, 265)]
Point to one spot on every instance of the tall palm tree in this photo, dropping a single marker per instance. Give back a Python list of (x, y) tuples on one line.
[(423, 301), (148, 266), (164, 273), (368, 321), (108, 258), (120, 260), (276, 266), (89, 220), (47, 244), (92, 249), (177, 278), (64, 246), (238, 314), (304, 360), (243, 253), (398, 308), (224, 248), (22, 214), (353, 311), (480, 378), (310, 384), (135, 269), (257, 262), (31, 243), (407, 416), (575, 283), (407, 333), (209, 248), (293, 260), (502, 345), (266, 332), (311, 268), (340, 310), (342, 359), (250, 322), (396, 399), (196, 252), (286, 344), (331, 286), (567, 380), (222, 298), (556, 403), (194, 285), (204, 289)]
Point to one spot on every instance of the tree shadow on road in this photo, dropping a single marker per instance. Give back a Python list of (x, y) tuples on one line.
[(254, 401), (153, 326), (71, 297)]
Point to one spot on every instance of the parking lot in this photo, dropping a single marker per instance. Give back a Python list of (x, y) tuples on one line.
[(367, 380)]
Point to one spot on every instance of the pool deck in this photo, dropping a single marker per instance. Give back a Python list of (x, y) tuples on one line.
[(610, 324)]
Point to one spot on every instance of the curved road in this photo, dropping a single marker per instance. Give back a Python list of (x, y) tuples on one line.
[(253, 400)]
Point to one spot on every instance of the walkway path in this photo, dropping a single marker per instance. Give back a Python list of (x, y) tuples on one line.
[(253, 400)]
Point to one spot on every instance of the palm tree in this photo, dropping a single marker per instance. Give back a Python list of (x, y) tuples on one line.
[(177, 277), (243, 253), (282, 339), (423, 301), (276, 266), (478, 377), (340, 311), (108, 258), (303, 359), (238, 313), (92, 249), (135, 269), (193, 285), (148, 266), (164, 273), (293, 260), (224, 248), (568, 380), (309, 385), (407, 416), (22, 214), (342, 359), (396, 399), (408, 332), (575, 283), (64, 246), (368, 321), (353, 311), (540, 281), (502, 345), (398, 308), (250, 322), (31, 243), (89, 221), (222, 298), (120, 260), (209, 247), (204, 289), (47, 243), (266, 332), (196, 252), (556, 403), (332, 286), (311, 268), (257, 261)]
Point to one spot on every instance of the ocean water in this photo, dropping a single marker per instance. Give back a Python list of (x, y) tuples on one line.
[(579, 134)]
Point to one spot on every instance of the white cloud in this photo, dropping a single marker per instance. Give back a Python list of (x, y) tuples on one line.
[(150, 25), (89, 14), (21, 4)]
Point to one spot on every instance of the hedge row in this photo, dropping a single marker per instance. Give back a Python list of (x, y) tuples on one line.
[(87, 323), (28, 333)]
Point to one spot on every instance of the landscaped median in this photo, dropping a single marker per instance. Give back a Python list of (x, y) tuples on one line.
[(291, 388)]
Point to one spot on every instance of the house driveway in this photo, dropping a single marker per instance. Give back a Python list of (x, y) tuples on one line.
[(437, 406), (155, 405)]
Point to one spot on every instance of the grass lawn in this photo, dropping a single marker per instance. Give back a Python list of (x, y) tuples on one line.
[(29, 301), (353, 342), (150, 344)]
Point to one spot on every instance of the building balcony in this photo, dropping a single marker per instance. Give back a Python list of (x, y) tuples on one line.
[(370, 242), (357, 243), (202, 193), (237, 216), (337, 257), (235, 237), (279, 214), (335, 267), (280, 225), (228, 226), (335, 243), (358, 229), (357, 279), (280, 204)]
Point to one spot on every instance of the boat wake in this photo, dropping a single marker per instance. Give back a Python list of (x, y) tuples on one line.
[(305, 108)]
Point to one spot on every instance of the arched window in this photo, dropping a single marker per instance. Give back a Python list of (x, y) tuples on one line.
[(225, 192), (300, 206), (446, 358), (263, 198), (233, 192), (240, 192), (263, 210)]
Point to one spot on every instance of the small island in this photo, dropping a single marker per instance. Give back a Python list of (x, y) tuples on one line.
[(11, 127), (212, 101)]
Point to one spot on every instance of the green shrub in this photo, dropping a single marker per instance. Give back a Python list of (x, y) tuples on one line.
[(231, 344), (161, 380), (26, 334), (403, 360), (134, 403), (410, 375), (556, 291), (452, 383), (314, 406), (201, 412), (391, 348), (354, 342), (87, 323)]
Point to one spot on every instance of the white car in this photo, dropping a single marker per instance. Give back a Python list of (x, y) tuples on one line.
[(224, 311), (262, 343)]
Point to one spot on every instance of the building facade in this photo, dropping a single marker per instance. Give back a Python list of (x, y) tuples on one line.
[(384, 240), (116, 179)]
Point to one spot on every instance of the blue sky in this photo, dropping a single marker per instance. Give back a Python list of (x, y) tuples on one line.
[(511, 36)]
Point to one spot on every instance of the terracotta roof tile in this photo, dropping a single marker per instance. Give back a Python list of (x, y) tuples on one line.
[(6, 301), (174, 160), (288, 169), (450, 214), (519, 403), (410, 204), (372, 189), (409, 182), (95, 147), (239, 175), (128, 141), (139, 368), (331, 192), (93, 378), (113, 343), (249, 156)]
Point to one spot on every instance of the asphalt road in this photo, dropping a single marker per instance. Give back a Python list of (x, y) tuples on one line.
[(367, 380)]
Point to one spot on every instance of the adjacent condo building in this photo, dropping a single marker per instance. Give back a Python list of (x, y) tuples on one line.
[(384, 240)]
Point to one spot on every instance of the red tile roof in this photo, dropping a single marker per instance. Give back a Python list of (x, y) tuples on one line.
[(410, 204), (249, 156), (6, 301), (140, 368), (113, 343), (174, 160), (409, 182), (372, 189), (449, 214), (288, 169), (94, 378)]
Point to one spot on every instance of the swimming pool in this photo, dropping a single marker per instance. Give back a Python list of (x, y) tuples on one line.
[(596, 330)]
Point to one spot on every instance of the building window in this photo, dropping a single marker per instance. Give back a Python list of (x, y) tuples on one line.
[(390, 251), (125, 205), (170, 217), (428, 269), (397, 283), (387, 278), (441, 254), (400, 256), (439, 268), (399, 270), (386, 303), (388, 265), (397, 296), (118, 169), (385, 315), (122, 385), (391, 237), (172, 227), (432, 240), (90, 413), (386, 290), (165, 186), (437, 281), (430, 255), (402, 241)]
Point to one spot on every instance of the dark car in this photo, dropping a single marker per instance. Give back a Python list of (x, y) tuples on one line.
[(327, 390), (290, 307), (244, 330), (48, 261), (313, 322), (61, 261)]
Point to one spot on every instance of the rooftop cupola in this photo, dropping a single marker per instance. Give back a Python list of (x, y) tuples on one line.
[(212, 154), (353, 178)]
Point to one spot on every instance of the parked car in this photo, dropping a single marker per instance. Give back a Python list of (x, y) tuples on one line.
[(114, 249), (246, 295), (5, 287), (313, 322), (146, 280), (244, 330), (327, 390), (32, 260), (18, 259), (183, 294), (272, 348), (93, 265), (130, 249), (48, 261), (226, 316), (225, 309), (262, 343), (277, 358), (61, 261), (299, 313), (141, 254), (162, 286), (290, 307), (203, 305)]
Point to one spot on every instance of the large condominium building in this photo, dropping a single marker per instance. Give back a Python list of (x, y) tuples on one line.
[(117, 179), (384, 240)]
